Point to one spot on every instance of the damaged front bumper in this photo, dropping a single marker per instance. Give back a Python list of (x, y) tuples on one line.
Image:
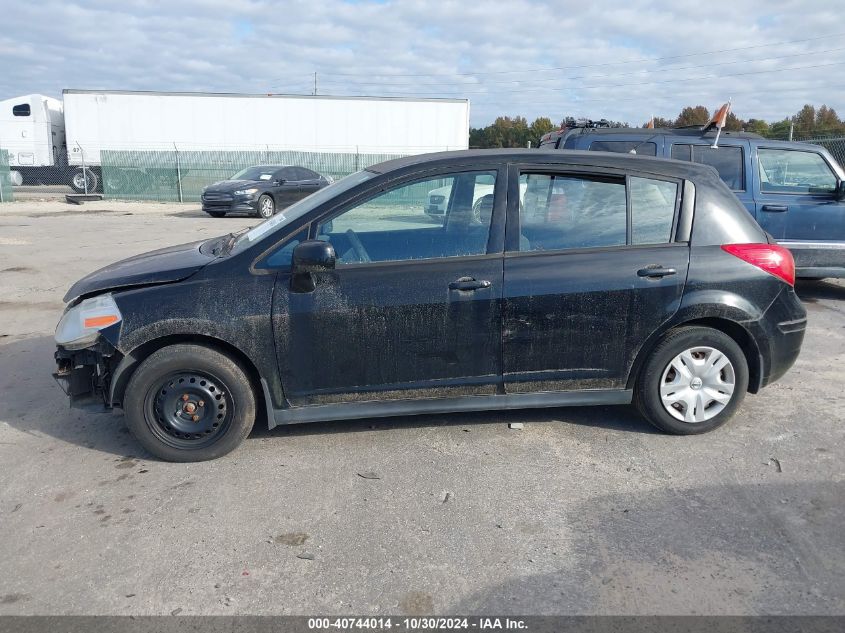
[(84, 375)]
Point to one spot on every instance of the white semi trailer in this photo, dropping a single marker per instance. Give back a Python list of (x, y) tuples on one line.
[(70, 135)]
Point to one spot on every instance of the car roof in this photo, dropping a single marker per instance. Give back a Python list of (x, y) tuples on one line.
[(694, 131), (667, 167), (688, 134)]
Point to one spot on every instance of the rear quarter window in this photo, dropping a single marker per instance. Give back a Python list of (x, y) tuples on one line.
[(653, 204)]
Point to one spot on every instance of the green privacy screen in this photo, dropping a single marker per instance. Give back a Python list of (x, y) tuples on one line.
[(173, 176), (5, 178)]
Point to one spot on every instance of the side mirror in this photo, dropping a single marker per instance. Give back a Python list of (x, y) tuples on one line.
[(840, 190), (280, 181), (313, 256)]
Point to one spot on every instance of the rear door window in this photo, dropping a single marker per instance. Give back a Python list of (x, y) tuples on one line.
[(794, 171), (567, 212), (726, 159), (641, 148), (574, 211)]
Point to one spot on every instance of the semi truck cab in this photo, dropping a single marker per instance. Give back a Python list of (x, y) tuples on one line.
[(32, 131)]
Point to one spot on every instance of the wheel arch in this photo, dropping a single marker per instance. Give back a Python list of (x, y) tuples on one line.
[(122, 374), (736, 331)]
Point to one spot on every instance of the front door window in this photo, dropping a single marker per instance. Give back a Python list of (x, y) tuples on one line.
[(792, 171), (394, 225)]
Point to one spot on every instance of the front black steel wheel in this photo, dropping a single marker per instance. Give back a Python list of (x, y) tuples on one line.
[(188, 409), (189, 403)]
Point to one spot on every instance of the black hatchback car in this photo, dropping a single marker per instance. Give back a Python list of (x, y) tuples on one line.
[(261, 190), (590, 278)]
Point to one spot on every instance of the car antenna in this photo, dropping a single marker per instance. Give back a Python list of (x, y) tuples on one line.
[(648, 126)]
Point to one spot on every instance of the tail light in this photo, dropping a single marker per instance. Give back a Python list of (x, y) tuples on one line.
[(772, 258)]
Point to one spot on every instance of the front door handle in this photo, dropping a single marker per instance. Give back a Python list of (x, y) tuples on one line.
[(774, 208), (468, 284), (655, 272)]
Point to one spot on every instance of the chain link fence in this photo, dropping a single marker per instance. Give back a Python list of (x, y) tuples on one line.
[(6, 194), (834, 144), (179, 174)]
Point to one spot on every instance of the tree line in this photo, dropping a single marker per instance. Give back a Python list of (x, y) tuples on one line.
[(809, 121)]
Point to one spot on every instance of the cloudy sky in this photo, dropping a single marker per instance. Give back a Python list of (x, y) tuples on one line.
[(619, 60)]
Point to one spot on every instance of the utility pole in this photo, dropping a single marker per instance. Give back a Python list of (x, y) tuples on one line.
[(791, 129), (315, 83)]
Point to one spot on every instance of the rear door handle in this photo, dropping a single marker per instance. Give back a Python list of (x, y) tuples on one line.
[(468, 284), (774, 208), (655, 272)]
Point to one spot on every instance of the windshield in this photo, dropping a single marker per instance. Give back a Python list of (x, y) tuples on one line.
[(296, 211), (255, 173)]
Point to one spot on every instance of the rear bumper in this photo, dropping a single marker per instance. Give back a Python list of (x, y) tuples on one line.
[(780, 333)]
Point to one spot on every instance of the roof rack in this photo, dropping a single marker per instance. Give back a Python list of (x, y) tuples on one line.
[(571, 122)]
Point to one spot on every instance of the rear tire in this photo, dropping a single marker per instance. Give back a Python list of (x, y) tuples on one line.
[(77, 181), (693, 381), (189, 403)]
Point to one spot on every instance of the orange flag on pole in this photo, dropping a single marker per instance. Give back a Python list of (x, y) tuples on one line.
[(719, 120), (650, 124)]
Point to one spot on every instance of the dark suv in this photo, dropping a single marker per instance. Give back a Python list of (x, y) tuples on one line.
[(590, 278), (796, 191)]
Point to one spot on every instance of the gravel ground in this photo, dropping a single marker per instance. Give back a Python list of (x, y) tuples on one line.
[(584, 511)]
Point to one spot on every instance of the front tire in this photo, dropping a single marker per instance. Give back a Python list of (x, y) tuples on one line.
[(266, 206), (189, 403), (217, 214), (693, 381)]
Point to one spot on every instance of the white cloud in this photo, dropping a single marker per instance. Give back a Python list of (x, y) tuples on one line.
[(449, 48)]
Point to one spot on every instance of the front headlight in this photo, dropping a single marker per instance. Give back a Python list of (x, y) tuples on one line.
[(246, 192), (80, 325)]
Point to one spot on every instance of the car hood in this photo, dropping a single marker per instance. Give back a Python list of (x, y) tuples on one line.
[(228, 186), (161, 266)]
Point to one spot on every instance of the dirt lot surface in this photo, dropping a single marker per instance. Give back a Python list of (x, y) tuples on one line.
[(583, 511)]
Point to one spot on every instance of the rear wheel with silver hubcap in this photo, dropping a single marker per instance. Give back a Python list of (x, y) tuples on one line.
[(693, 381), (697, 384)]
